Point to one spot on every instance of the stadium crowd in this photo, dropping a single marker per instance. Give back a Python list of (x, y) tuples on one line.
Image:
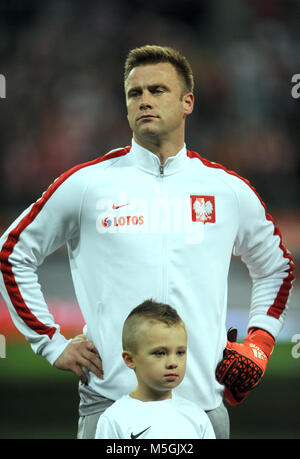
[(63, 63)]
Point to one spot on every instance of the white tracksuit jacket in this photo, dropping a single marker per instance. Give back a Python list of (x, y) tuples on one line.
[(136, 230)]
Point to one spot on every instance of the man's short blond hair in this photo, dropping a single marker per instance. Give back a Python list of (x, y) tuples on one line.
[(154, 54), (151, 312)]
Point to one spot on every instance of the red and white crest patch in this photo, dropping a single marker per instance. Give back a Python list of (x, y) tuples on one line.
[(203, 209)]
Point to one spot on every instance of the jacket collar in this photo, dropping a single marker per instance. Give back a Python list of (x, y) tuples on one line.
[(149, 162)]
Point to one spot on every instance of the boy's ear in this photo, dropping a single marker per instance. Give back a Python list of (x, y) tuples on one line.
[(128, 359)]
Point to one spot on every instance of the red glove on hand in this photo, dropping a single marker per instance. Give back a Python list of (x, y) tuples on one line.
[(244, 364)]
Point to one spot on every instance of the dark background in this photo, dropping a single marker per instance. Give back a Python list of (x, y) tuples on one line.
[(63, 65)]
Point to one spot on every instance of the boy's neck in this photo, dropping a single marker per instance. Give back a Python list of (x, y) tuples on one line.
[(150, 396)]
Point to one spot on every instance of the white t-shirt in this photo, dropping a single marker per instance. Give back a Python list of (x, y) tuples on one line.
[(174, 418)]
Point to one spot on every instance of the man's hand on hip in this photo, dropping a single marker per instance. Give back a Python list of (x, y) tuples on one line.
[(78, 354)]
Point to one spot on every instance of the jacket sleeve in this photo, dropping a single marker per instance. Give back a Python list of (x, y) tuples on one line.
[(270, 264), (41, 229)]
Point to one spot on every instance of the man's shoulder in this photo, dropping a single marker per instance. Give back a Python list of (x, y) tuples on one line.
[(115, 153), (82, 171), (220, 171), (105, 159)]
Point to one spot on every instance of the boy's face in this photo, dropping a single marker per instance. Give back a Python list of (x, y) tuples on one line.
[(160, 361)]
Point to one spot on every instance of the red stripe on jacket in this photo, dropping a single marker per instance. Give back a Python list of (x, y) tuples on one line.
[(278, 306), (6, 267)]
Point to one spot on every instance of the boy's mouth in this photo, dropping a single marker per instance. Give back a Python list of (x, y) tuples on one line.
[(172, 376)]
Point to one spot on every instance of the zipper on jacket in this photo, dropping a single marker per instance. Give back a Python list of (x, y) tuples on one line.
[(164, 241)]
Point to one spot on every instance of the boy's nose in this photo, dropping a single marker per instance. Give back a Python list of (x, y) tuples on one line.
[(172, 363)]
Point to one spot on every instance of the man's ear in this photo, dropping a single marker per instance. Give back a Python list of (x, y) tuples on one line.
[(128, 359), (188, 100)]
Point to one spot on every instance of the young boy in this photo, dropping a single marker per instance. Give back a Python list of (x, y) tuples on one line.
[(154, 346)]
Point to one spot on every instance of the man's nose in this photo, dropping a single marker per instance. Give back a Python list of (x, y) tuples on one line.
[(145, 101)]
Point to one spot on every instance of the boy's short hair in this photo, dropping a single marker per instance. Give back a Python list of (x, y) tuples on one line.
[(154, 54), (150, 311)]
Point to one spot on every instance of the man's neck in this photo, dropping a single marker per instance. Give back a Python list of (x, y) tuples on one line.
[(162, 149)]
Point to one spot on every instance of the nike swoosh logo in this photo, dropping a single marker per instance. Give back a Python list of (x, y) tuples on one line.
[(118, 207), (137, 435)]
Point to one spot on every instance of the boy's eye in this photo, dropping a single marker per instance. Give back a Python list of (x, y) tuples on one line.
[(181, 352), (158, 353)]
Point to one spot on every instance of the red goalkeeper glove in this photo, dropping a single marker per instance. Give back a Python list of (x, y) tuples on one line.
[(244, 364)]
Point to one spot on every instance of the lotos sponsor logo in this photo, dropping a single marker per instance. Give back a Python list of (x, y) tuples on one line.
[(106, 222), (123, 221), (156, 215)]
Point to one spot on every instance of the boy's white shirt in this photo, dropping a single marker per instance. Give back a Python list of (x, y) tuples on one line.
[(174, 418)]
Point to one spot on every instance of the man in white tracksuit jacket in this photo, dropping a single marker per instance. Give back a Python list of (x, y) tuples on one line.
[(151, 220)]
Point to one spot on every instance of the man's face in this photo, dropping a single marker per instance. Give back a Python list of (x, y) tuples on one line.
[(156, 103), (160, 361)]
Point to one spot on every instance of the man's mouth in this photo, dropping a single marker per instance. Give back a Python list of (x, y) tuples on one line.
[(145, 117)]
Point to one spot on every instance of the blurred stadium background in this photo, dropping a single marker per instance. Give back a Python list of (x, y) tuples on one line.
[(63, 64)]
